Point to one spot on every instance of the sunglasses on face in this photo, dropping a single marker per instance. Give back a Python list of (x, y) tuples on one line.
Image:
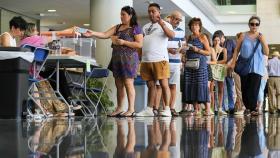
[(254, 24), (178, 19)]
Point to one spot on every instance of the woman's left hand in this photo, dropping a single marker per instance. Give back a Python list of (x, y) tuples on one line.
[(120, 42), (261, 38)]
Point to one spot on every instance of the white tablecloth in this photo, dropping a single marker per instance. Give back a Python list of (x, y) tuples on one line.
[(28, 56)]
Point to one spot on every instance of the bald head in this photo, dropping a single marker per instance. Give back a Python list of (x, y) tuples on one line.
[(175, 18)]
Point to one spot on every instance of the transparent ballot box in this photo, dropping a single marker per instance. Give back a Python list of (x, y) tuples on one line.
[(83, 46)]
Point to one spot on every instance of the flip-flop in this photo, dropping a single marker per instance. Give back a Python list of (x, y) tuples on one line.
[(116, 115), (133, 114)]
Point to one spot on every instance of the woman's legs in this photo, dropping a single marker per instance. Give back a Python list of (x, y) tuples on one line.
[(130, 91), (120, 96), (220, 93)]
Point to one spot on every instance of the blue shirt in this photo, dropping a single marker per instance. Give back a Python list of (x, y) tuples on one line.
[(174, 43), (274, 67), (257, 63), (230, 46)]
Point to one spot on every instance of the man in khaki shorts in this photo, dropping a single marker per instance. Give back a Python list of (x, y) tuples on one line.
[(155, 59)]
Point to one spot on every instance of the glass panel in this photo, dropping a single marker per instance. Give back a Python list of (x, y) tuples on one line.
[(234, 2)]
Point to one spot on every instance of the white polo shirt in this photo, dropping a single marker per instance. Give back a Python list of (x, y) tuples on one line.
[(155, 43)]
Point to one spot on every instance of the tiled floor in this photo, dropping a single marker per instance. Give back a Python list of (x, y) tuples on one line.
[(188, 137)]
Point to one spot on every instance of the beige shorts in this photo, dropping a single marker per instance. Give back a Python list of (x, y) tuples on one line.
[(155, 70)]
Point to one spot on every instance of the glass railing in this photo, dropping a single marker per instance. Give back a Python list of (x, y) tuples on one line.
[(234, 2), (235, 6)]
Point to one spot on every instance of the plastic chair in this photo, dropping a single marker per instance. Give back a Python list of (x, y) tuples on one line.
[(96, 73), (40, 57)]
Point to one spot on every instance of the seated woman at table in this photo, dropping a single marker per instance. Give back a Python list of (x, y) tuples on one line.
[(126, 38), (17, 27), (31, 37)]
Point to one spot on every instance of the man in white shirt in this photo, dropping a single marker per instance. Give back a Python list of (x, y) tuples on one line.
[(155, 59), (174, 61)]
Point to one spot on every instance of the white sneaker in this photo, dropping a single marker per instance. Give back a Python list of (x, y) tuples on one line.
[(166, 113), (222, 112), (148, 112)]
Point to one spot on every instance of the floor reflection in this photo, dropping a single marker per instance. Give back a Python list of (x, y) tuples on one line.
[(182, 137)]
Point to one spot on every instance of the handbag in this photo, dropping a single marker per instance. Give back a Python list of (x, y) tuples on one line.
[(192, 64), (243, 67), (218, 72)]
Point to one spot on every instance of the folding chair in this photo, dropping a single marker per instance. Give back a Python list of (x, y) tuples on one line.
[(95, 73), (40, 57)]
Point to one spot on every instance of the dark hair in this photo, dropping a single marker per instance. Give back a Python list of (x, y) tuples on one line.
[(254, 17), (154, 5), (195, 20), (18, 22), (219, 33), (130, 11), (215, 36)]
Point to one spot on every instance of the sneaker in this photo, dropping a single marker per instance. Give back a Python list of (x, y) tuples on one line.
[(166, 113), (222, 112), (239, 112), (148, 112)]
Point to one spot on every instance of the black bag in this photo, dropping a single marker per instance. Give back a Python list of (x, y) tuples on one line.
[(242, 67)]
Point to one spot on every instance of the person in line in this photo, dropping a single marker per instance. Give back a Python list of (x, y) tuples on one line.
[(274, 83), (239, 106), (250, 82), (155, 64), (229, 45), (126, 38), (196, 78), (221, 57), (17, 27), (261, 95), (211, 60), (174, 61)]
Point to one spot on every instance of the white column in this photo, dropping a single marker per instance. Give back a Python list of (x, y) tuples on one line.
[(105, 14)]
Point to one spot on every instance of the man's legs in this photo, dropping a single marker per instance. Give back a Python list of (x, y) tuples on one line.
[(165, 92)]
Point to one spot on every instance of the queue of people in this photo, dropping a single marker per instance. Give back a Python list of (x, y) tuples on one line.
[(163, 49)]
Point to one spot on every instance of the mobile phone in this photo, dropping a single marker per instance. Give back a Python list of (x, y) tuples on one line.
[(81, 30), (190, 45)]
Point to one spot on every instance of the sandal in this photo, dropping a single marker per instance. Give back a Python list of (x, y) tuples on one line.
[(174, 113), (155, 111), (133, 114), (255, 113), (207, 113), (118, 114)]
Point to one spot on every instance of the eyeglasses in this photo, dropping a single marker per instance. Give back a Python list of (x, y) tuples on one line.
[(254, 24), (178, 19)]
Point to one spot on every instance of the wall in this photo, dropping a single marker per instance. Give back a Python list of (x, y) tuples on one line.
[(6, 16), (269, 12)]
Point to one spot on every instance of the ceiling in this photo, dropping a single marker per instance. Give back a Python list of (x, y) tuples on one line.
[(69, 12)]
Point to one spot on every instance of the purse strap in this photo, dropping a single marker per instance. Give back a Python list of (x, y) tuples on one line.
[(255, 48)]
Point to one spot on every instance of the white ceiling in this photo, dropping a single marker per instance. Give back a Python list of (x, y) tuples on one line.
[(69, 12)]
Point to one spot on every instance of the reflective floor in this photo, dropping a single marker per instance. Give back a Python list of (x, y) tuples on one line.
[(182, 137)]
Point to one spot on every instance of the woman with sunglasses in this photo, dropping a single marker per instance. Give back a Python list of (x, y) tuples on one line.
[(251, 44)]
